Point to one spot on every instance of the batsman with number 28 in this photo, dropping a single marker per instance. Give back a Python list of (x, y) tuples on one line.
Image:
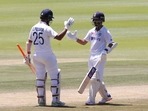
[(101, 44)]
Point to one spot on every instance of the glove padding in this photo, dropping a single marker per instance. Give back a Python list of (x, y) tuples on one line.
[(72, 36), (27, 60), (68, 23), (109, 48)]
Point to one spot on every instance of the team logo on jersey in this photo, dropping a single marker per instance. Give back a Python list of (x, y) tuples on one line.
[(100, 34), (96, 36), (92, 38)]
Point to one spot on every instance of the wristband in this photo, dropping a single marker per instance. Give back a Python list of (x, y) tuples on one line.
[(29, 52)]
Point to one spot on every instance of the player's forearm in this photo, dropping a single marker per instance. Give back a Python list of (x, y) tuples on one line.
[(28, 46), (61, 35), (82, 42)]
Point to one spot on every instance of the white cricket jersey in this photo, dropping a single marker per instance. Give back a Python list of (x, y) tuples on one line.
[(40, 35), (98, 40)]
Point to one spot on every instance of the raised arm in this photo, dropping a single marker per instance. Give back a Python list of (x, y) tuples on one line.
[(73, 36), (67, 25)]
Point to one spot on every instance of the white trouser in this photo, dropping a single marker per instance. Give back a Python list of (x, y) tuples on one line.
[(46, 62), (96, 82)]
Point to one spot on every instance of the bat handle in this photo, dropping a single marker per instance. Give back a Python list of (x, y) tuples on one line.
[(97, 63), (23, 54), (21, 50)]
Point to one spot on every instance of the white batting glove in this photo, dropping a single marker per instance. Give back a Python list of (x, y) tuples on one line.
[(68, 23), (27, 60), (72, 36), (110, 47)]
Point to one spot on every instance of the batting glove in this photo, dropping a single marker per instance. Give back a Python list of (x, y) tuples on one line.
[(27, 60), (68, 23), (72, 36)]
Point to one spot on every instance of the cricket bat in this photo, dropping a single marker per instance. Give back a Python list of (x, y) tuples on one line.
[(91, 72), (87, 78), (24, 55)]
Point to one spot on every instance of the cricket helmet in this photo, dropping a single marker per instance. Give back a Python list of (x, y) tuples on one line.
[(46, 14), (98, 16)]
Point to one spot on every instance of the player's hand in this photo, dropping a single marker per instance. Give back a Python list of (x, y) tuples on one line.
[(104, 52), (72, 36), (68, 23), (27, 60), (103, 55)]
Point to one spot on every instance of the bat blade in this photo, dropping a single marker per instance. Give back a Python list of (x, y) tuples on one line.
[(24, 55), (86, 80)]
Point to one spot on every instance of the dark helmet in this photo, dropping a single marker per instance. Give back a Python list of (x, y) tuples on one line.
[(46, 14), (99, 16)]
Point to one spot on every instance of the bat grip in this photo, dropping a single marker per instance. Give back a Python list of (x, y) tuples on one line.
[(97, 63)]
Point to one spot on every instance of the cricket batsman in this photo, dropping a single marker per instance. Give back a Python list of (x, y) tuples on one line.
[(44, 59), (101, 43)]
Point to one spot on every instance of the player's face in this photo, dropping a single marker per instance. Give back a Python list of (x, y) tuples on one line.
[(49, 22), (97, 22)]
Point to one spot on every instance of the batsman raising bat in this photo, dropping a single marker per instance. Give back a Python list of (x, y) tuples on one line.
[(44, 59), (101, 44)]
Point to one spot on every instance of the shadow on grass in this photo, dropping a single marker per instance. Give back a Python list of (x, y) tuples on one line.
[(110, 104), (66, 106), (114, 104), (88, 106)]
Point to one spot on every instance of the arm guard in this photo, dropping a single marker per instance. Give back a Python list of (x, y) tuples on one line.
[(110, 47)]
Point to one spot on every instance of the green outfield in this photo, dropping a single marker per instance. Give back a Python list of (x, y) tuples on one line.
[(127, 65)]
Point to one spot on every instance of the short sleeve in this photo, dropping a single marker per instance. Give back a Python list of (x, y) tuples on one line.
[(108, 37)]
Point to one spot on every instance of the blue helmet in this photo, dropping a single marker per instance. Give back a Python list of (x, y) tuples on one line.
[(46, 14), (99, 16)]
